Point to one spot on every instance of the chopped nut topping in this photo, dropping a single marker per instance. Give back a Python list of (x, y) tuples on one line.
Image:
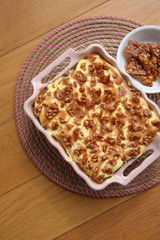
[(88, 123), (96, 101), (80, 77), (106, 80), (58, 94), (136, 136), (76, 133), (135, 98), (75, 84), (79, 151), (109, 96), (90, 165), (65, 79), (94, 158), (69, 126), (62, 119), (156, 123), (147, 113), (90, 143), (124, 158), (120, 114), (89, 104), (77, 122), (84, 160), (107, 170), (83, 66), (111, 107), (80, 113), (147, 140), (45, 125), (70, 110), (81, 89), (110, 140), (98, 120), (134, 127), (100, 178), (122, 91), (54, 126), (112, 162), (67, 140), (151, 133), (95, 171), (98, 137), (104, 120), (104, 157), (134, 152), (51, 111), (118, 79), (42, 91), (119, 123), (68, 98), (91, 57), (104, 147), (37, 110), (93, 82), (127, 106), (93, 151), (95, 115)]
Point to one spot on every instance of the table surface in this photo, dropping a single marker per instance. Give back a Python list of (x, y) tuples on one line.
[(32, 206)]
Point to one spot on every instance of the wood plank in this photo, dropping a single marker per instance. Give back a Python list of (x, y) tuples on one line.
[(16, 167), (146, 12), (40, 209), (11, 64), (138, 218), (25, 20)]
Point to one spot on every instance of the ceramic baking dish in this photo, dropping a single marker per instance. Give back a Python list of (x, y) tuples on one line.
[(75, 56)]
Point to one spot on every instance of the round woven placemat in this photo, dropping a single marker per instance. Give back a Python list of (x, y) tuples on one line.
[(107, 31)]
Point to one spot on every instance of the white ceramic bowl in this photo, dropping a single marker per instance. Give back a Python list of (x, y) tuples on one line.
[(146, 34), (75, 56)]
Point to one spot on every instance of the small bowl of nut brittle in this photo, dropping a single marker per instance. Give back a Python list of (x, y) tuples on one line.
[(139, 55)]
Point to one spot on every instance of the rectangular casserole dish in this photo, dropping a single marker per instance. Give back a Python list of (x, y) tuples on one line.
[(74, 58)]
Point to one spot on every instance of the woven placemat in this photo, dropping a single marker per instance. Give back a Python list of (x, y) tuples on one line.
[(107, 31)]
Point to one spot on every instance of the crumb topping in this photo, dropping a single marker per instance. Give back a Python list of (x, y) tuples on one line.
[(96, 117)]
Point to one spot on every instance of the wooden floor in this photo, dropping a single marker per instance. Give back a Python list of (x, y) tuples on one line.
[(31, 206)]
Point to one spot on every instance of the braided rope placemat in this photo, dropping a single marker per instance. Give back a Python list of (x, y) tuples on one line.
[(107, 31)]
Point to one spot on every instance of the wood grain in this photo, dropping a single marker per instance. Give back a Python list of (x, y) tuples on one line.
[(16, 167), (146, 12), (41, 209), (11, 64), (28, 19), (136, 219)]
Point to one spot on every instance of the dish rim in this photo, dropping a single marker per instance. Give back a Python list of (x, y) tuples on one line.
[(75, 56)]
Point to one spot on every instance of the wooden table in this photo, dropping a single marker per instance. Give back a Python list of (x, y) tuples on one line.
[(31, 206)]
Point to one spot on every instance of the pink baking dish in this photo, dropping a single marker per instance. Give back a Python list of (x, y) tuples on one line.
[(75, 56)]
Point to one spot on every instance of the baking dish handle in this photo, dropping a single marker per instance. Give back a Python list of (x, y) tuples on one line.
[(70, 53), (150, 159)]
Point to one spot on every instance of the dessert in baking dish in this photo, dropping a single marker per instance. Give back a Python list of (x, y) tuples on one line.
[(96, 117)]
